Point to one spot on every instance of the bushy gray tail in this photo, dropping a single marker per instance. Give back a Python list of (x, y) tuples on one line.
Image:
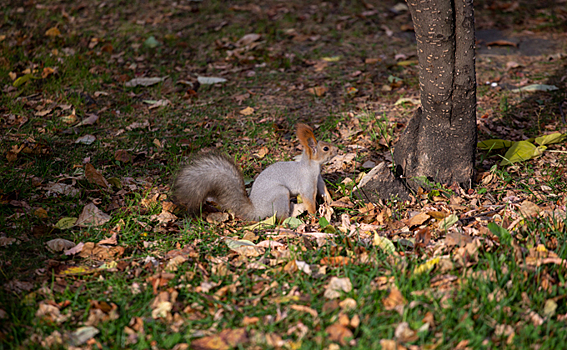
[(213, 175)]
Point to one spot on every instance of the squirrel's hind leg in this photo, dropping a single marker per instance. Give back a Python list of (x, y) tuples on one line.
[(277, 202)]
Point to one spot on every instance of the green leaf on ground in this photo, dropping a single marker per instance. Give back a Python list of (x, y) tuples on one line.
[(521, 151)]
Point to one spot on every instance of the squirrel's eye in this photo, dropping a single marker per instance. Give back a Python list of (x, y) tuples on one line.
[(325, 148)]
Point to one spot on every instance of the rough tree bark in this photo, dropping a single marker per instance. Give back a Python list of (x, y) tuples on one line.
[(439, 142)]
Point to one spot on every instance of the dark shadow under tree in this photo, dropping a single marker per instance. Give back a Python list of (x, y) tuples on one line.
[(439, 143)]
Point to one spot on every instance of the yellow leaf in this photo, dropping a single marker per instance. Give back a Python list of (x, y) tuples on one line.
[(521, 151), (22, 80), (53, 32), (331, 59), (494, 144), (550, 139), (384, 243), (426, 266), (65, 223), (247, 111)]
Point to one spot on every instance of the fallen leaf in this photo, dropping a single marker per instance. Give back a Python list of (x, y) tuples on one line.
[(47, 71), (521, 151), (384, 243), (394, 301), (336, 260), (418, 219), (348, 304), (247, 111), (95, 177), (91, 215), (339, 333), (23, 79), (86, 140), (174, 263), (248, 39), (402, 100), (427, 266), (317, 91), (58, 245), (529, 209), (550, 139), (55, 188), (53, 32), (90, 120), (123, 156), (210, 80), (307, 309), (502, 43), (336, 286), (447, 222), (6, 241), (82, 335), (494, 144), (224, 340), (404, 333), (536, 87), (145, 81), (244, 247), (113, 240), (74, 250), (94, 251), (51, 313)]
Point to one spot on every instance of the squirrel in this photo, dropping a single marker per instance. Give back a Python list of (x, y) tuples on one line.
[(214, 175)]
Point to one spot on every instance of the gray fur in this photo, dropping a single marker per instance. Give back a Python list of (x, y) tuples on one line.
[(215, 175)]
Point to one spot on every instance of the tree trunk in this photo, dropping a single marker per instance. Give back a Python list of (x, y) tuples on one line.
[(439, 142)]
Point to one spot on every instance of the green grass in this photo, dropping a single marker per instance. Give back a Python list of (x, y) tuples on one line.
[(216, 289)]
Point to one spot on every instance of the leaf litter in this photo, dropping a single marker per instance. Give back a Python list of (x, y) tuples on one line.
[(394, 266)]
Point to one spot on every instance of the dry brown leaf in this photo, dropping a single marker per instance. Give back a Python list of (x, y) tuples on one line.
[(390, 344), (58, 245), (395, 301), (339, 333), (438, 215), (217, 217), (91, 215), (404, 333), (47, 71), (53, 32), (226, 339), (336, 260), (303, 308), (418, 219), (95, 251), (246, 321), (455, 238), (174, 263), (336, 286), (502, 43), (529, 209), (262, 152), (113, 240), (348, 304), (51, 313), (123, 156), (317, 91), (94, 176), (101, 311)]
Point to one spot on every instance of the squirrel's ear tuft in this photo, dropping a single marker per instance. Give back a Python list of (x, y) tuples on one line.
[(306, 138)]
